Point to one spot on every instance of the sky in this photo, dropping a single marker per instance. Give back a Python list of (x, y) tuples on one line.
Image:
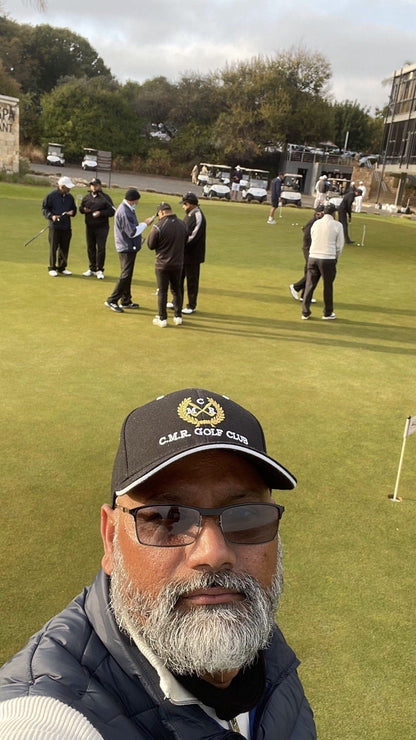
[(364, 41)]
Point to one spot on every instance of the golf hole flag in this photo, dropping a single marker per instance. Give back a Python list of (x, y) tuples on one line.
[(409, 428)]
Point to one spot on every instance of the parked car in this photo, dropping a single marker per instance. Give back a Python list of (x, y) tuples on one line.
[(55, 156), (369, 160), (162, 131)]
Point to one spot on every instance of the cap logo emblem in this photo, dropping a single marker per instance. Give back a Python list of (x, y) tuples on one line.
[(202, 412)]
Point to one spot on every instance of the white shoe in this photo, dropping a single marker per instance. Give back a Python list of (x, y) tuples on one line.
[(271, 221), (305, 318), (160, 322), (169, 304), (188, 310), (88, 273), (53, 273), (66, 272), (100, 275), (328, 318), (294, 292), (177, 320)]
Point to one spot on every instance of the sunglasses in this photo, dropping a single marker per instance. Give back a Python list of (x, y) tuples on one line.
[(171, 525)]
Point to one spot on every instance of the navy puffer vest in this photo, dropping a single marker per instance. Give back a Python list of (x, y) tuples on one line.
[(82, 659)]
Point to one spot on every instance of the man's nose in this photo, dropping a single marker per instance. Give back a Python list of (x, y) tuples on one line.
[(211, 551)]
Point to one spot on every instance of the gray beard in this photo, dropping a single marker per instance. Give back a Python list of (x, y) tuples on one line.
[(202, 639)]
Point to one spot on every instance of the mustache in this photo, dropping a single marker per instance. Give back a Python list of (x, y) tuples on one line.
[(244, 583)]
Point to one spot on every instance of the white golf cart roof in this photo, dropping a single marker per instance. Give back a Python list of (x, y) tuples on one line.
[(58, 146), (291, 174), (217, 166), (258, 172)]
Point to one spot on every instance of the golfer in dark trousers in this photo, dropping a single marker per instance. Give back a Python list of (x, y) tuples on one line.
[(326, 246), (59, 207), (98, 208), (167, 238), (196, 228), (344, 212), (127, 236), (299, 286)]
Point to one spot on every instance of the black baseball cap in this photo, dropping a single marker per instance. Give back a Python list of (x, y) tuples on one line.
[(189, 198), (95, 181), (163, 207), (330, 208), (181, 423)]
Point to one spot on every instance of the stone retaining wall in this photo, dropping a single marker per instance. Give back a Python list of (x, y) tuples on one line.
[(9, 133)]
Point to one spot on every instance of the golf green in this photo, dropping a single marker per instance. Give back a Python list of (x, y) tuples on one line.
[(333, 397)]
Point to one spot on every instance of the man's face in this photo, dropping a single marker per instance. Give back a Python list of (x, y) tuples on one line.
[(63, 189), (187, 207), (144, 576), (95, 187)]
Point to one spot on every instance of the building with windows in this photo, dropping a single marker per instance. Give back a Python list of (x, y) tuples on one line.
[(398, 146)]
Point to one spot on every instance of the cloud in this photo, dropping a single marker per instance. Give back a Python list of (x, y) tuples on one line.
[(363, 42)]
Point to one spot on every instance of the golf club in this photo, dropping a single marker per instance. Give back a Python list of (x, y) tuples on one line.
[(42, 230)]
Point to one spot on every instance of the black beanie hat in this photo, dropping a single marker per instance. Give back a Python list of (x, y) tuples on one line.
[(132, 194)]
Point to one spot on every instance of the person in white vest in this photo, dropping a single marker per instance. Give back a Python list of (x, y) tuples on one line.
[(359, 198)]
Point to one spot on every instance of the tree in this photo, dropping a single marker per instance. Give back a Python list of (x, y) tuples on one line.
[(36, 57), (8, 85), (273, 99), (350, 117), (91, 113), (151, 101)]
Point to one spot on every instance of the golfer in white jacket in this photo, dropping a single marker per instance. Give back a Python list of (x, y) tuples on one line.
[(326, 246)]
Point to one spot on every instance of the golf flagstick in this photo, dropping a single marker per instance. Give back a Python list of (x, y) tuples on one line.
[(363, 236), (409, 428)]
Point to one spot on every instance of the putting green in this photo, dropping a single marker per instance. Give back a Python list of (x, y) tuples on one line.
[(333, 398)]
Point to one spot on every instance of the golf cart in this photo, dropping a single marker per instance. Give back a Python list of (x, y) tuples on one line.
[(204, 172), (217, 183), (290, 193), (90, 159), (55, 156), (337, 188), (254, 184)]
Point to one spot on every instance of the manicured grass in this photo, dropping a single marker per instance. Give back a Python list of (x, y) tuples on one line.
[(332, 396)]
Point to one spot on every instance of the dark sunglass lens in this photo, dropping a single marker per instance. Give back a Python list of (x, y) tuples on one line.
[(166, 526), (251, 524)]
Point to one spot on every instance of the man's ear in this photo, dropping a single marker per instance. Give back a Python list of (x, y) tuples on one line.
[(107, 533)]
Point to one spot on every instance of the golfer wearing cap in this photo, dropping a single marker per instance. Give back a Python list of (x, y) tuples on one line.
[(176, 637), (167, 238), (59, 207), (128, 240), (327, 242), (196, 227), (98, 208)]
